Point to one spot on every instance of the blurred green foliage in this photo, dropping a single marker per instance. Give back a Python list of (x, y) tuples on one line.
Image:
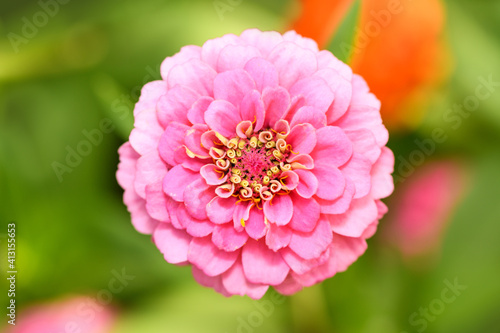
[(88, 63)]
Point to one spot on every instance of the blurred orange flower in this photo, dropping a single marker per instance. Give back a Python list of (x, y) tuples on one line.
[(398, 49)]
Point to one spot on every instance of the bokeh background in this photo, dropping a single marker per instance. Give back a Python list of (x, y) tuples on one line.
[(85, 61)]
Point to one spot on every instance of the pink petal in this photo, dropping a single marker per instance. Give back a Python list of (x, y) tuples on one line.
[(352, 223), (289, 286), (196, 198), (222, 117), (197, 228), (308, 184), (241, 212), (192, 140), (211, 49), (310, 245), (175, 104), (156, 202), (342, 90), (146, 133), (327, 60), (364, 112), (232, 86), (252, 109), (300, 265), (358, 171), (341, 204), (150, 94), (332, 147), (331, 182), (192, 163), (301, 161), (211, 176), (276, 102), (236, 283), (207, 257), (309, 115), (305, 42), (279, 210), (149, 169), (255, 226), (185, 54), (265, 41), (173, 243), (214, 282), (315, 91), (235, 57), (382, 182), (126, 168), (136, 205), (263, 73), (194, 74), (292, 62), (278, 237), (302, 138), (171, 140), (196, 114), (176, 181), (262, 265), (221, 210), (289, 179), (346, 250), (174, 209), (363, 142), (226, 238), (305, 214)]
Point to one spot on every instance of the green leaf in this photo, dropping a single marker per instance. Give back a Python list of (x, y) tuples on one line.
[(342, 43)]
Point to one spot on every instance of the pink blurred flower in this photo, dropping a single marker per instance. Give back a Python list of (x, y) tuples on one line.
[(259, 160), (423, 207), (78, 314)]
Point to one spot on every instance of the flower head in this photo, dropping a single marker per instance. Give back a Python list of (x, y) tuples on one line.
[(259, 160)]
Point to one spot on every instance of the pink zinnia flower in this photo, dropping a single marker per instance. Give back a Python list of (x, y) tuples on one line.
[(259, 160), (76, 314)]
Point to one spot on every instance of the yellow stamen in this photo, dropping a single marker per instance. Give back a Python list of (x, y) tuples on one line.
[(242, 223), (231, 153), (222, 138), (270, 144), (233, 143), (266, 180), (253, 142), (275, 169), (235, 179), (277, 154)]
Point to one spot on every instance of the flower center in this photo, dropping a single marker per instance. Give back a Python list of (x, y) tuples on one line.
[(255, 163)]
